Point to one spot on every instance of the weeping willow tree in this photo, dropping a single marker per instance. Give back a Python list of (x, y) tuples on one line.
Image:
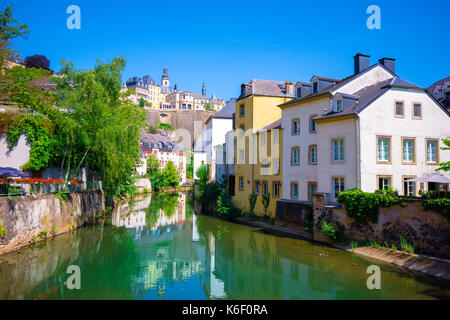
[(99, 126)]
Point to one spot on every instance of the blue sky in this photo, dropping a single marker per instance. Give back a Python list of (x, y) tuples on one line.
[(229, 42)]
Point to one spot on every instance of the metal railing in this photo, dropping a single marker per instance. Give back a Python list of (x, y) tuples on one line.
[(17, 189), (16, 111)]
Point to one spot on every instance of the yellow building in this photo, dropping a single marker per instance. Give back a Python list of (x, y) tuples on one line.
[(145, 88), (258, 146)]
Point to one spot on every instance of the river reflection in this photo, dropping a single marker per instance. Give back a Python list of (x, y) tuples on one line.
[(158, 249)]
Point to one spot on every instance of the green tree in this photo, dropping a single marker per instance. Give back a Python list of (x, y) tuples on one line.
[(9, 29), (141, 102), (158, 181), (445, 166), (105, 126), (190, 165), (152, 165), (202, 174), (171, 175)]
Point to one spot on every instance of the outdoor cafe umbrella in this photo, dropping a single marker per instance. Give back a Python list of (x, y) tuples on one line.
[(12, 172), (435, 177)]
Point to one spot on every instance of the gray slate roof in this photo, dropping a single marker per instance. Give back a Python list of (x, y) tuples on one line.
[(227, 111), (338, 84), (265, 88), (149, 140), (369, 94), (274, 125)]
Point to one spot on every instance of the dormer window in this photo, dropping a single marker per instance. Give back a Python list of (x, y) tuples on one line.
[(315, 86), (243, 91), (299, 92), (338, 105)]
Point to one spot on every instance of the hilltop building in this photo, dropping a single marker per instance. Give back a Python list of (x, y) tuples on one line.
[(163, 96)]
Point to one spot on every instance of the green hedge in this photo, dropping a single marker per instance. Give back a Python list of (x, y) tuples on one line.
[(441, 205), (364, 206)]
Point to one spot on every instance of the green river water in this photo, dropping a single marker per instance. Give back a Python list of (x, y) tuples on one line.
[(159, 249)]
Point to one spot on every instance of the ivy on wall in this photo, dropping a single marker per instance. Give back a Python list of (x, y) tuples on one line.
[(39, 132)]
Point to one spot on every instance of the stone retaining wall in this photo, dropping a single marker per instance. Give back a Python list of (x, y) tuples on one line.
[(427, 231), (26, 217), (295, 212)]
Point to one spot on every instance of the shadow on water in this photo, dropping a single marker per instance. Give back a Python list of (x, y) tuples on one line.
[(158, 249)]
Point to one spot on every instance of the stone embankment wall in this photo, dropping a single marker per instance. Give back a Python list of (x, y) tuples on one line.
[(427, 231), (28, 218), (295, 212)]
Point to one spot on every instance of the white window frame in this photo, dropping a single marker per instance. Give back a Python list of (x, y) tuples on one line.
[(340, 185), (295, 150), (340, 148), (276, 166), (428, 151), (409, 151), (382, 151), (314, 147), (336, 109)]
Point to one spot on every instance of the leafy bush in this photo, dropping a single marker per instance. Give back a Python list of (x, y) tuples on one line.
[(225, 207), (329, 230), (364, 206), (441, 205), (430, 194), (2, 230), (333, 234), (266, 203), (164, 126)]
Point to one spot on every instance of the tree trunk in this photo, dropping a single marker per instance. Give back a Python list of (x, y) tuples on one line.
[(79, 165)]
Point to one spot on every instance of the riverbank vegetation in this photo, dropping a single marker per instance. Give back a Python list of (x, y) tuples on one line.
[(160, 179), (364, 206), (83, 117), (212, 196)]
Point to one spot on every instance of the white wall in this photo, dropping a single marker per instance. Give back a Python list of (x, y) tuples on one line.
[(369, 78), (378, 119), (304, 172), (16, 157)]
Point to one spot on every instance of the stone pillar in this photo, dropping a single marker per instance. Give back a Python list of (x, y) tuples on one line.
[(320, 200)]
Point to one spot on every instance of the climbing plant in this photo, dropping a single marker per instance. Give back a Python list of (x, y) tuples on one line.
[(39, 133)]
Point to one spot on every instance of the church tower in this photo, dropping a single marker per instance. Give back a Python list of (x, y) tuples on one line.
[(165, 82), (204, 89)]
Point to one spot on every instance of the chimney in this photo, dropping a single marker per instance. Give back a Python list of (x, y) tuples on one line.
[(362, 62), (289, 86), (388, 63)]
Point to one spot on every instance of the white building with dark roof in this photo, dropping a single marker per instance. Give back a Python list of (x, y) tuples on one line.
[(164, 149), (370, 131)]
